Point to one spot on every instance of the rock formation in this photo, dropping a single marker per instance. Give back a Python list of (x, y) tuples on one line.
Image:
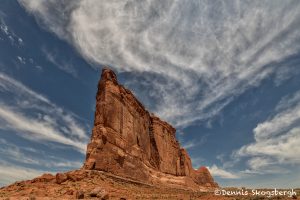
[(132, 155), (130, 142)]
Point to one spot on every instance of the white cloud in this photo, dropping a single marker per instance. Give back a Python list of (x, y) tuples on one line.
[(277, 140), (286, 72), (259, 162), (34, 157), (14, 39), (11, 173), (15, 153), (189, 145), (21, 60), (193, 143), (35, 129), (35, 117), (10, 84), (205, 52), (218, 172), (4, 28), (62, 65)]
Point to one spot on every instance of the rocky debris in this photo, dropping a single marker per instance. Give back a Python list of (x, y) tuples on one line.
[(44, 178), (32, 198), (75, 175), (129, 141), (69, 192), (79, 194), (97, 192), (117, 187), (104, 196), (61, 177)]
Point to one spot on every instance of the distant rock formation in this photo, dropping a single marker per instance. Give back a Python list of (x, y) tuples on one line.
[(130, 142)]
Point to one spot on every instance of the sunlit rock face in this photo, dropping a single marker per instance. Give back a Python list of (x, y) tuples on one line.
[(130, 142)]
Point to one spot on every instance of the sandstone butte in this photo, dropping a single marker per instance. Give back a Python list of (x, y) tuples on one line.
[(130, 142), (132, 154)]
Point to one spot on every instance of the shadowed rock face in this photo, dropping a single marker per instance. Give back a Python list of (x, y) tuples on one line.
[(129, 141)]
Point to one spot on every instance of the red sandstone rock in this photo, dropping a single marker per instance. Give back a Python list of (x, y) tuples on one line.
[(98, 192), (75, 175), (69, 192), (79, 194), (129, 141), (61, 177), (44, 178), (202, 176)]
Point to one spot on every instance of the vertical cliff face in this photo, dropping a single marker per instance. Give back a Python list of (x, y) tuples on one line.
[(129, 141)]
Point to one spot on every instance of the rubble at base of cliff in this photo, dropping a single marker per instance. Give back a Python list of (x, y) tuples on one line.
[(90, 184)]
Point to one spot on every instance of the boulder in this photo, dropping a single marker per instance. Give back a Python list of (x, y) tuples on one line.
[(70, 192), (60, 178), (44, 178), (97, 192), (79, 194)]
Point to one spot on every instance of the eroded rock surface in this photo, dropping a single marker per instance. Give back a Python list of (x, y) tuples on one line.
[(129, 141)]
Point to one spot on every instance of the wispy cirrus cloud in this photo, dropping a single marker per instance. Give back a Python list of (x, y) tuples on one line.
[(62, 65), (193, 143), (189, 145), (33, 157), (35, 128), (10, 173), (199, 55), (22, 162), (33, 116)]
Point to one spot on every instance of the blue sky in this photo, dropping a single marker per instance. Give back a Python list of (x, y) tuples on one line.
[(226, 75)]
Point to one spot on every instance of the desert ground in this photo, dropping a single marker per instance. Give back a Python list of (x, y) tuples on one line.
[(92, 184)]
